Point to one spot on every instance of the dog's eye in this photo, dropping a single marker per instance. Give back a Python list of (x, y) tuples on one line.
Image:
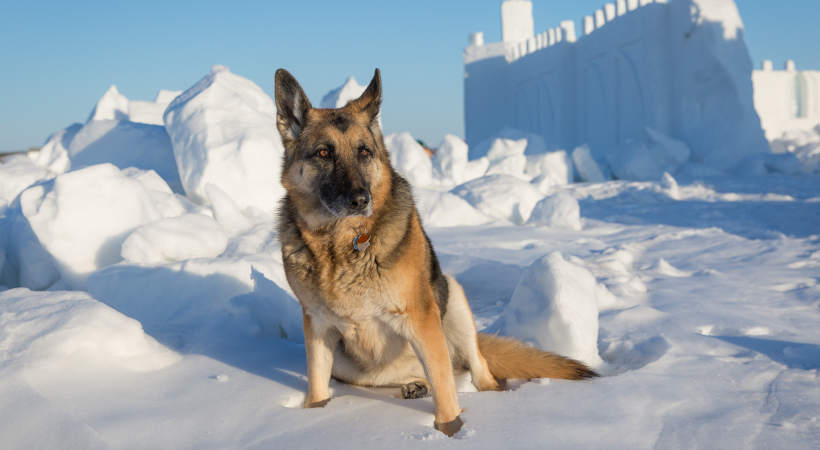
[(323, 153), (364, 151)]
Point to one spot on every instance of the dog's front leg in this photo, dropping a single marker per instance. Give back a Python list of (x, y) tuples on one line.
[(320, 342), (430, 345)]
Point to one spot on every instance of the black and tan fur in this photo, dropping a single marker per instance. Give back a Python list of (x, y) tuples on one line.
[(385, 316)]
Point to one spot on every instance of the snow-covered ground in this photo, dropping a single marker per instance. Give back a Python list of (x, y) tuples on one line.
[(146, 307)]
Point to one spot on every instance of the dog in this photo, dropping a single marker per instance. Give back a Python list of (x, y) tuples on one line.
[(377, 309)]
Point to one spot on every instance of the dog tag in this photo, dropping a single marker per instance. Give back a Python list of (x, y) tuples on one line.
[(361, 242)]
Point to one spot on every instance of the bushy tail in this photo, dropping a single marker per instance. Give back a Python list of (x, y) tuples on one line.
[(509, 358)]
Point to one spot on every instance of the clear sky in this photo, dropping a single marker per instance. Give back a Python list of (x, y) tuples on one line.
[(58, 57)]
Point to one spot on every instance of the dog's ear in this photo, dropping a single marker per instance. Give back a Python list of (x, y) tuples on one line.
[(292, 106), (371, 99)]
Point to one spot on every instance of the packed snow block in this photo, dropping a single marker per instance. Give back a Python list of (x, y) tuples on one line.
[(125, 144), (53, 155), (648, 158), (500, 196), (337, 98), (450, 160), (16, 174), (175, 239), (535, 144), (585, 165), (28, 264), (82, 217), (549, 169), (443, 209), (506, 156), (223, 132), (409, 159), (558, 210), (554, 306), (52, 330), (111, 106)]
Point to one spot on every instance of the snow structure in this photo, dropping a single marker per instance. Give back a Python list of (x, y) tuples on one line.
[(337, 98), (787, 99), (641, 69)]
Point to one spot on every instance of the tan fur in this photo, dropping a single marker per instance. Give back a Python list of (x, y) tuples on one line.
[(373, 317), (509, 358)]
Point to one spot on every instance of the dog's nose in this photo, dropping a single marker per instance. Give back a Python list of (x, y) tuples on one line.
[(359, 199)]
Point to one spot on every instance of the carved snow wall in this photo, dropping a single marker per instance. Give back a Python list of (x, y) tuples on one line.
[(681, 68)]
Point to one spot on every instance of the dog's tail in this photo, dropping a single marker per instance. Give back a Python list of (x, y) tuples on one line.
[(509, 358)]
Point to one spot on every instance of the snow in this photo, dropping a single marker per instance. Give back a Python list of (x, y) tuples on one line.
[(555, 305), (339, 97), (83, 236), (409, 158), (506, 156), (500, 196), (558, 210), (177, 238), (223, 132)]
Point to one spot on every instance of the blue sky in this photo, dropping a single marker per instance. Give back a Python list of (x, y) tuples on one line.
[(59, 57)]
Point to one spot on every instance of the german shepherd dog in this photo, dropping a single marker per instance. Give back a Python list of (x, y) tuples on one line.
[(377, 310)]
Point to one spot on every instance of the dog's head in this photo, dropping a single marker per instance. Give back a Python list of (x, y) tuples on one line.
[(335, 164)]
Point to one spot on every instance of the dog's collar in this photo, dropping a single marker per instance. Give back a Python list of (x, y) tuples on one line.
[(362, 239)]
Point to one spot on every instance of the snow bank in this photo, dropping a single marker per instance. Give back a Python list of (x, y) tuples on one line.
[(16, 174), (82, 217), (409, 159), (549, 169), (243, 295), (339, 97), (53, 155), (223, 131), (804, 145), (586, 166), (559, 210), (648, 158), (450, 161), (500, 196), (555, 306), (125, 144), (175, 239), (442, 209), (70, 329), (115, 106), (535, 143), (506, 156)]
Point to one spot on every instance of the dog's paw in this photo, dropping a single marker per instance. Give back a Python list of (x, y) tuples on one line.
[(317, 404), (450, 428), (416, 389)]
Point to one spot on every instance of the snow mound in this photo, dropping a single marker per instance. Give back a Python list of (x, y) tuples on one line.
[(586, 166), (175, 239), (54, 153), (500, 196), (555, 306), (16, 174), (450, 160), (442, 209), (223, 131), (804, 145), (111, 106), (125, 144), (534, 144), (409, 159), (339, 97), (506, 156), (649, 158), (549, 169), (72, 329), (82, 235), (559, 210)]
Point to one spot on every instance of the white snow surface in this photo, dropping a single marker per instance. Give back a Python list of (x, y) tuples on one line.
[(337, 98), (223, 132)]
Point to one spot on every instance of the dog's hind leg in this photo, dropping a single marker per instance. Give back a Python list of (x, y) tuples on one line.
[(462, 338)]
